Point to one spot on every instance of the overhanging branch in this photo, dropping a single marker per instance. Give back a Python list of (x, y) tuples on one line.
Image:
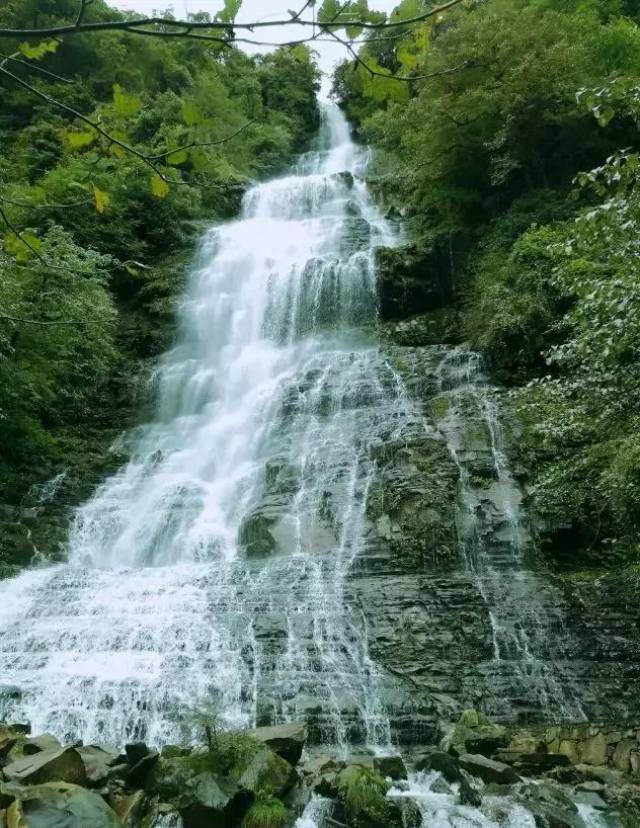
[(165, 25)]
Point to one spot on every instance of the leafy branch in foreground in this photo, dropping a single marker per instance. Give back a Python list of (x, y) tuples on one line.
[(353, 15)]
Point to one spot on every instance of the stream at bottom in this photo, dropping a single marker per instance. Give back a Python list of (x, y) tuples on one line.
[(434, 803)]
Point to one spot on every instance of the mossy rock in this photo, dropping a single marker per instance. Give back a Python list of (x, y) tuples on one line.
[(474, 733), (363, 795), (222, 781)]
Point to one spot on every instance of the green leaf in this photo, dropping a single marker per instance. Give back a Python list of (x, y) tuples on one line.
[(115, 149), (353, 32), (178, 157), (100, 199), (159, 186), (39, 49), (199, 160), (124, 103), (79, 140), (231, 9), (328, 11), (191, 114), (604, 114), (406, 57), (22, 247)]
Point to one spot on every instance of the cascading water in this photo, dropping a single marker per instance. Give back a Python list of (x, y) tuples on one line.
[(207, 576), (495, 543), (210, 575)]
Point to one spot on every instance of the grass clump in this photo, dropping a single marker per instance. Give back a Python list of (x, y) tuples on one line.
[(364, 793), (267, 812)]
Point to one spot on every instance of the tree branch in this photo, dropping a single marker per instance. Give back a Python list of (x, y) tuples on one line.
[(21, 320), (34, 67), (19, 235), (197, 145), (404, 78), (149, 160), (134, 26), (83, 7)]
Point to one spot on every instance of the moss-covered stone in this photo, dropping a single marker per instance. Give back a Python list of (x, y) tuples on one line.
[(474, 733), (222, 781), (363, 795)]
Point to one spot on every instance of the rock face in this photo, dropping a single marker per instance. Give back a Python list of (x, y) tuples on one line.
[(58, 805), (285, 740), (404, 281), (62, 764), (459, 609), (488, 769)]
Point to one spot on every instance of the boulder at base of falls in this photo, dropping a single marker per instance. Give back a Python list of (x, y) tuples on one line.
[(55, 765), (488, 769), (447, 765), (57, 805), (550, 805), (285, 740), (99, 762), (474, 733), (392, 767), (39, 743), (362, 800), (217, 787)]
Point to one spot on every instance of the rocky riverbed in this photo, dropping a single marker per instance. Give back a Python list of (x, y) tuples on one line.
[(479, 774)]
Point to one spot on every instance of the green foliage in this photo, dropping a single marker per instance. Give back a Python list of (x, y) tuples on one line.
[(49, 370), (267, 812), (102, 239), (364, 792)]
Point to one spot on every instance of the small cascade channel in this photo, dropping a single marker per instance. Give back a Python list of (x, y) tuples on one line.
[(527, 625)]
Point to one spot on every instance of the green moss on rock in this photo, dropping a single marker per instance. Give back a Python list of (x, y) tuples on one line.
[(363, 793)]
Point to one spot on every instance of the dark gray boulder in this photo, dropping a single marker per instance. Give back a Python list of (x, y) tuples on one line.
[(55, 765), (489, 770), (286, 740)]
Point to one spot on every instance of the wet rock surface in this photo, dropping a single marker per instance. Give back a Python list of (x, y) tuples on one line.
[(238, 780)]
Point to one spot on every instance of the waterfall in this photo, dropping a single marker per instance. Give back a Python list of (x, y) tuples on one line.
[(527, 624), (207, 577)]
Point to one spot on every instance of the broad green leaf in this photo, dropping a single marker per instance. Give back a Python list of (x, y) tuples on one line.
[(353, 32), (38, 50), (100, 199), (199, 160), (231, 9), (178, 157), (115, 149), (79, 140), (22, 246), (604, 114), (124, 103), (328, 11), (406, 57), (191, 114), (300, 53), (159, 186)]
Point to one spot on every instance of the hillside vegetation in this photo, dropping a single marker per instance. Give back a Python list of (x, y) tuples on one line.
[(94, 242)]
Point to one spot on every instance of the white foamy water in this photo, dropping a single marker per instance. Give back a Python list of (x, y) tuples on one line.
[(208, 574)]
